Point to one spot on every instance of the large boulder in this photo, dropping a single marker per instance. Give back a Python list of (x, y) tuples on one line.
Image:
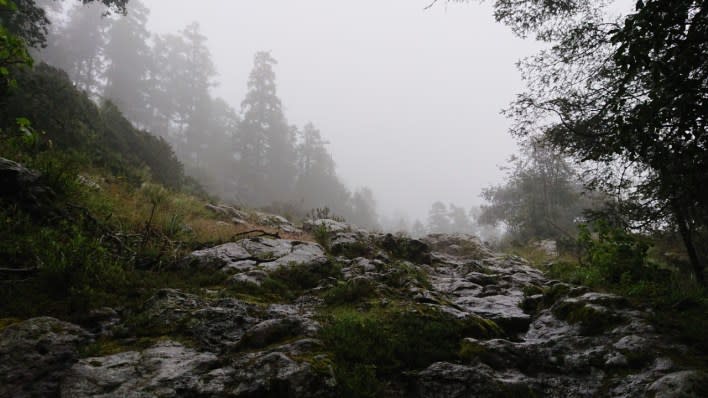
[(459, 245), (687, 383), (266, 254), (23, 186), (215, 324), (36, 354), (327, 225), (167, 369), (278, 373), (447, 380)]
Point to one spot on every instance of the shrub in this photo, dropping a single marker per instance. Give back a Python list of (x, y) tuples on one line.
[(321, 235), (618, 255), (351, 291), (372, 347)]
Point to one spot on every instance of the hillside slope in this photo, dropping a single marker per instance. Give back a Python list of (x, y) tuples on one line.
[(358, 314)]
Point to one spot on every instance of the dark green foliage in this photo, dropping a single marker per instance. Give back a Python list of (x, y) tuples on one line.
[(618, 256), (306, 276), (591, 319), (140, 147), (401, 273), (72, 268), (13, 52), (69, 120), (287, 283), (28, 19), (404, 248), (627, 97), (350, 292), (372, 348), (322, 236)]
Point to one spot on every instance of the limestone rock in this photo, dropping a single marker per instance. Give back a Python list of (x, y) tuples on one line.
[(275, 373), (687, 383), (257, 253), (36, 354), (167, 369)]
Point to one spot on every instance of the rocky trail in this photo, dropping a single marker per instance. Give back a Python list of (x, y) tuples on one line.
[(256, 336)]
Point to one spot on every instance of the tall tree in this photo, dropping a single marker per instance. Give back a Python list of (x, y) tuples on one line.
[(81, 41), (180, 80), (28, 19), (129, 57), (630, 92), (216, 162), (317, 184), (541, 199), (265, 142), (193, 93)]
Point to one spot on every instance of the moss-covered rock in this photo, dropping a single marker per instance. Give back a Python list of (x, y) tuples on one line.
[(592, 318)]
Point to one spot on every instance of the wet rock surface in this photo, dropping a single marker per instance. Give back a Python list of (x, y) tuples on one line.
[(35, 355), (536, 336), (257, 254)]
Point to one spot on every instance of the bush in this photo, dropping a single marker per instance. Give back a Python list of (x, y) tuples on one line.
[(73, 268), (619, 256), (351, 291), (371, 348)]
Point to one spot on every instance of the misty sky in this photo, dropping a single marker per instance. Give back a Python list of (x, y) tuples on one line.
[(409, 98)]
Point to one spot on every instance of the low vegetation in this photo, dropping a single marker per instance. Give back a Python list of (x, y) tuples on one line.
[(647, 270), (371, 348)]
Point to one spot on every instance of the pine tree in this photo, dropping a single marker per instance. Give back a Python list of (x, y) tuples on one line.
[(130, 60), (266, 144), (81, 43)]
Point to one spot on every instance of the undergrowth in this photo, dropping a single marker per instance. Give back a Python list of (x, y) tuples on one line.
[(371, 348), (644, 269)]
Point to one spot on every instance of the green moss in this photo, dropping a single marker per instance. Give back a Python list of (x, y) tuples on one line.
[(349, 292), (353, 250), (470, 349), (592, 319), (400, 273), (288, 283), (554, 293), (404, 248), (5, 322), (531, 290), (375, 346), (108, 346)]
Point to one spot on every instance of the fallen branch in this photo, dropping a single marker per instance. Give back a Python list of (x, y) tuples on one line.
[(431, 5), (242, 235), (19, 270)]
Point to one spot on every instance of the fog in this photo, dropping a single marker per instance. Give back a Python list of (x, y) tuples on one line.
[(408, 98)]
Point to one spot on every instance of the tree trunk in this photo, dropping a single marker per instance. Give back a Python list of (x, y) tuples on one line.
[(687, 236)]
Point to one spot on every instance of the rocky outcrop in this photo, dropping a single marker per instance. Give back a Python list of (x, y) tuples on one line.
[(167, 369), (524, 334), (24, 187), (35, 356), (248, 255)]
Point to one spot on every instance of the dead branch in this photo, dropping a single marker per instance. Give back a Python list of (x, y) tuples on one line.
[(260, 232)]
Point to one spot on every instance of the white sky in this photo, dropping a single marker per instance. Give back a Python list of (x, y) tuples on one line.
[(409, 99)]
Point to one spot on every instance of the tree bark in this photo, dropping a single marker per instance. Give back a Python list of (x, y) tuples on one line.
[(687, 236)]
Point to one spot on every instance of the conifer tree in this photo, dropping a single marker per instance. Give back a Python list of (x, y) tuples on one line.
[(130, 59), (266, 147)]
